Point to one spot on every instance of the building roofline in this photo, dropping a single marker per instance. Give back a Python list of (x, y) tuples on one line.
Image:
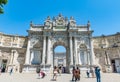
[(118, 33), (12, 34)]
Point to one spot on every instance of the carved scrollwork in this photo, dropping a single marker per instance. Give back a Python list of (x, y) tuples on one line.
[(48, 23), (35, 39), (60, 20), (72, 22)]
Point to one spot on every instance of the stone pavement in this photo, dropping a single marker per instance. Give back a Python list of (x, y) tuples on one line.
[(32, 77)]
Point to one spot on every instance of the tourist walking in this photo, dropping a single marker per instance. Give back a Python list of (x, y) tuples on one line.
[(41, 74), (88, 73), (11, 70), (55, 72), (60, 70), (73, 74), (77, 74), (97, 72)]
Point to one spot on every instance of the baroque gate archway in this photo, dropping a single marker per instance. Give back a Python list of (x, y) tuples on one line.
[(59, 31)]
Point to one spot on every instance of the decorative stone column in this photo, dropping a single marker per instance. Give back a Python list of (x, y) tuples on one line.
[(88, 57), (12, 61), (51, 59), (79, 58), (107, 62), (27, 61), (108, 59), (75, 51), (44, 50), (12, 57), (71, 51), (67, 58), (85, 57), (48, 51), (15, 56), (92, 52), (31, 56)]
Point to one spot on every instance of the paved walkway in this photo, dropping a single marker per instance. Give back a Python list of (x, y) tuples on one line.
[(106, 77)]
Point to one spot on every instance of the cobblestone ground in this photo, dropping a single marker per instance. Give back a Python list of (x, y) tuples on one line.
[(105, 77)]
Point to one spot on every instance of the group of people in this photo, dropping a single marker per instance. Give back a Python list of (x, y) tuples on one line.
[(76, 74), (57, 70), (3, 70), (96, 72)]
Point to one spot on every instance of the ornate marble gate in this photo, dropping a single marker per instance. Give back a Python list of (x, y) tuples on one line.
[(43, 39)]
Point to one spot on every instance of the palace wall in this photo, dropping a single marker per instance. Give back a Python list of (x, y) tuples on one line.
[(12, 51), (107, 52), (106, 49)]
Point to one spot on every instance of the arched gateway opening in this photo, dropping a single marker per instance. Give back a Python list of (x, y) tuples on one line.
[(60, 56)]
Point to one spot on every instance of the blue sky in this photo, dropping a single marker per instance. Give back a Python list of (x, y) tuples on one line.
[(60, 49), (104, 15)]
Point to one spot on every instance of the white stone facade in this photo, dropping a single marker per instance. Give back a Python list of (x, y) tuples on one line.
[(12, 52), (107, 52), (59, 31), (43, 39)]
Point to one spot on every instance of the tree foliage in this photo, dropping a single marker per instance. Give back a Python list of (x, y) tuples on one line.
[(2, 3)]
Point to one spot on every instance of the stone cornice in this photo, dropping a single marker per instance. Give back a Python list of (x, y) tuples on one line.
[(11, 35), (110, 35)]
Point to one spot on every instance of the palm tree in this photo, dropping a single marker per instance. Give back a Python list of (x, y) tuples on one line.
[(2, 3)]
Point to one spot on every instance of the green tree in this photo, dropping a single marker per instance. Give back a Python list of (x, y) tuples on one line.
[(2, 3)]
